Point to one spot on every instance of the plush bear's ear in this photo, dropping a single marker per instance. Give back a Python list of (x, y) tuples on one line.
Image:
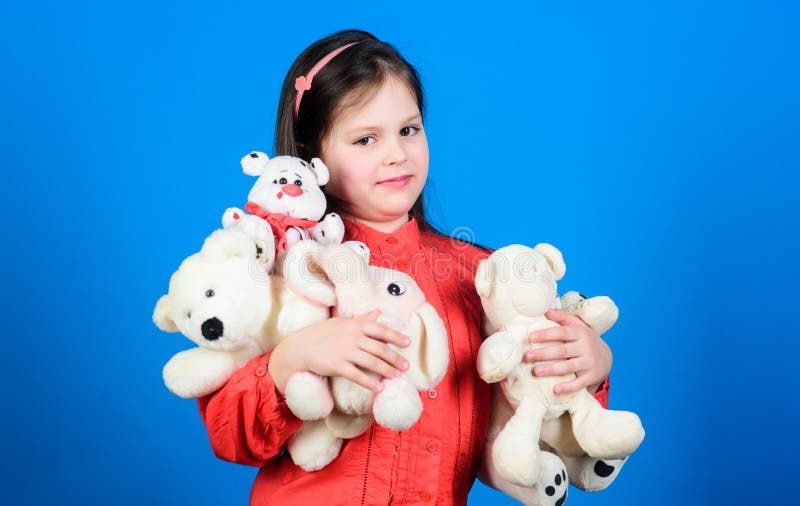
[(161, 315), (554, 258), (253, 163), (484, 278), (302, 269), (227, 243), (320, 170)]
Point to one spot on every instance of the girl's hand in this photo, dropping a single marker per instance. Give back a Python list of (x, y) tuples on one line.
[(582, 352), (345, 347)]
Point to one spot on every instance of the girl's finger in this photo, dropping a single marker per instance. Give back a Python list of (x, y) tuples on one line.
[(558, 368), (370, 362), (371, 316), (384, 333), (564, 318), (578, 383), (554, 334), (358, 376), (384, 352), (556, 352)]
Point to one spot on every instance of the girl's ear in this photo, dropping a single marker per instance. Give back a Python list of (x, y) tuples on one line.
[(254, 162), (484, 278), (554, 258), (320, 170), (161, 315)]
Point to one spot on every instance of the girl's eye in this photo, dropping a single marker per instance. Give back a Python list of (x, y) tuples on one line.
[(298, 182), (365, 141), (408, 130), (283, 180)]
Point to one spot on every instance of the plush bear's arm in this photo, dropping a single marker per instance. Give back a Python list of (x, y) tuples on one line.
[(498, 355), (247, 420), (198, 371)]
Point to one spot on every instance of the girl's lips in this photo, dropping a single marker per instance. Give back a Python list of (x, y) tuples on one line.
[(396, 182)]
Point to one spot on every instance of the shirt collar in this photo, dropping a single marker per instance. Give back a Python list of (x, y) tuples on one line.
[(404, 239)]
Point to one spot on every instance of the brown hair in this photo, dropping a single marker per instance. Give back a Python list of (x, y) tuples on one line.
[(353, 75)]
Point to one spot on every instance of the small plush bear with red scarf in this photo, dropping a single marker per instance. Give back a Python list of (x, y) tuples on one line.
[(287, 195)]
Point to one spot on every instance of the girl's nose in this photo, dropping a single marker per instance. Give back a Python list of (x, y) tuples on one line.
[(292, 190), (395, 153)]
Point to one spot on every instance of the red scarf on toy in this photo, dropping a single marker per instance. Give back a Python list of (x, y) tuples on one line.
[(279, 223)]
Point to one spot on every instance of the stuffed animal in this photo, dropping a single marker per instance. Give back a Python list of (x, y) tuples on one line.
[(225, 300), (360, 289), (517, 285), (218, 299), (585, 472), (287, 195)]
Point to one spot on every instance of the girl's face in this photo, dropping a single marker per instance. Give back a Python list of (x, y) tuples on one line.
[(377, 154)]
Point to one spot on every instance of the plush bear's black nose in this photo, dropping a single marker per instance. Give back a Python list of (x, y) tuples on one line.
[(211, 329)]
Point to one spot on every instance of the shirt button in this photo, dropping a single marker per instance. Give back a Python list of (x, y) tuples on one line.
[(391, 240), (432, 393), (261, 371), (432, 446), (425, 495)]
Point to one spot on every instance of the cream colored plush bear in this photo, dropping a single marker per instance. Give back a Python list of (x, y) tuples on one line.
[(517, 285), (359, 289), (221, 299), (224, 299)]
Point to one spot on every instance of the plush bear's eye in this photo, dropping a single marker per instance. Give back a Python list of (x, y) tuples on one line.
[(261, 248), (189, 314), (396, 289), (209, 293), (283, 180), (298, 182)]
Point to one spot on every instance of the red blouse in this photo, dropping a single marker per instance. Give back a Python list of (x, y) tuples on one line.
[(433, 462)]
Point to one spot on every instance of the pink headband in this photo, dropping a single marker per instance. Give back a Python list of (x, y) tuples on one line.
[(303, 83)]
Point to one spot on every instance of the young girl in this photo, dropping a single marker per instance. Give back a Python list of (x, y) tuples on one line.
[(356, 103)]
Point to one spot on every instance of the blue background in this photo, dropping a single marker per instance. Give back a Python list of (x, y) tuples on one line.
[(655, 145)]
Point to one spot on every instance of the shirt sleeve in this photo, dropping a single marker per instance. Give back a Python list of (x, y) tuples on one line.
[(247, 420), (602, 393)]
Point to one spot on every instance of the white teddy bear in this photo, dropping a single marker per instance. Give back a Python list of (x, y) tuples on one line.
[(517, 285), (221, 299), (225, 300), (287, 195)]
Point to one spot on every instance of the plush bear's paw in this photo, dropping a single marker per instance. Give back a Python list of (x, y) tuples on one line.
[(197, 372), (496, 359), (591, 474), (329, 230), (552, 486), (313, 446), (398, 405), (308, 396)]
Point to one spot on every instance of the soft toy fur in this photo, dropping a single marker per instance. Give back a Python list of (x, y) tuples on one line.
[(359, 289), (287, 194), (585, 472), (517, 285), (224, 299), (217, 299)]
